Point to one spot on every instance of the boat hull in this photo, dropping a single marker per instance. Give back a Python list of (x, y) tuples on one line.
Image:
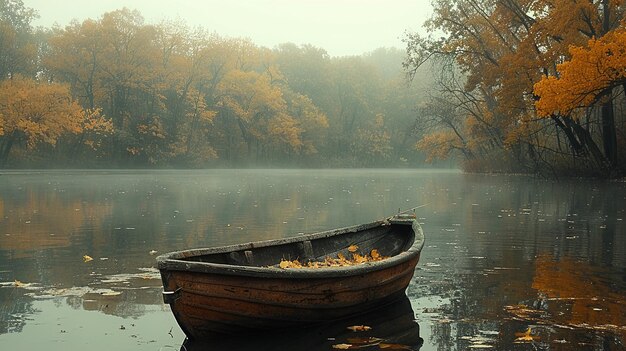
[(208, 294), (210, 303)]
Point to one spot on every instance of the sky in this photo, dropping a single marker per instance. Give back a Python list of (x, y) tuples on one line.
[(341, 27)]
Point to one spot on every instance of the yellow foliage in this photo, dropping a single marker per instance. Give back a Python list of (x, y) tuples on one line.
[(42, 112), (340, 261), (438, 145), (286, 129), (590, 71)]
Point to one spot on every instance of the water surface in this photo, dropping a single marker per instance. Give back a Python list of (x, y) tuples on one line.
[(503, 253)]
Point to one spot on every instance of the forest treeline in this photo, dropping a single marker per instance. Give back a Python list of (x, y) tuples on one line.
[(528, 86), (118, 92)]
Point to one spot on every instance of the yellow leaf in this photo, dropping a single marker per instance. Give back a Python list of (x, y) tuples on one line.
[(525, 336), (342, 346), (87, 258), (375, 255), (359, 258), (19, 284), (284, 264), (353, 248)]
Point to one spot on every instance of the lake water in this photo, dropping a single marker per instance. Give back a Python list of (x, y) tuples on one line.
[(503, 254)]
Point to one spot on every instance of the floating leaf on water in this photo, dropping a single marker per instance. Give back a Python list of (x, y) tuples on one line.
[(153, 252), (525, 336), (358, 328), (87, 258), (19, 284), (342, 346)]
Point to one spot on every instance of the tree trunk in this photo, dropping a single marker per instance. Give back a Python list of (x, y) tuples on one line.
[(609, 134), (587, 141), (576, 146), (5, 148)]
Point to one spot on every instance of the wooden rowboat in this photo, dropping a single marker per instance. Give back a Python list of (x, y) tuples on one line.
[(241, 288)]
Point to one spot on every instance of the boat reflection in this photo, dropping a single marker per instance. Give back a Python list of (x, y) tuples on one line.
[(392, 325)]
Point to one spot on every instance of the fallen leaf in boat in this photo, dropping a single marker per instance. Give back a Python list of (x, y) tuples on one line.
[(284, 264), (342, 346), (353, 248), (375, 255), (394, 346), (358, 259), (342, 258), (358, 328), (340, 261), (87, 258)]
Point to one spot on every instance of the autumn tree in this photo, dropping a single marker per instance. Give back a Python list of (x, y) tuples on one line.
[(181, 96), (33, 113), (503, 48), (588, 79)]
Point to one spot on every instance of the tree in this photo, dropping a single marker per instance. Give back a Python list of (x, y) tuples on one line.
[(587, 79), (33, 113), (18, 51), (502, 48)]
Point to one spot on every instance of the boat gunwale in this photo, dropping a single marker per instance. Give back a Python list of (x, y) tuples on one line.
[(175, 261)]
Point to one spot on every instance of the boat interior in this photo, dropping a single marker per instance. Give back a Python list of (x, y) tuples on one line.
[(387, 240)]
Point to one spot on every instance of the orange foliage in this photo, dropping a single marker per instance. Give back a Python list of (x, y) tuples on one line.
[(340, 261), (590, 71), (41, 113)]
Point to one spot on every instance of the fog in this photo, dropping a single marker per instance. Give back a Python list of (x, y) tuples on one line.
[(345, 27)]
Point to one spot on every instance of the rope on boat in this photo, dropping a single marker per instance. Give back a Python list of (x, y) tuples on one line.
[(406, 211)]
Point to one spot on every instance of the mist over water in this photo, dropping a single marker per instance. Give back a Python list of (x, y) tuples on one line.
[(503, 253)]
